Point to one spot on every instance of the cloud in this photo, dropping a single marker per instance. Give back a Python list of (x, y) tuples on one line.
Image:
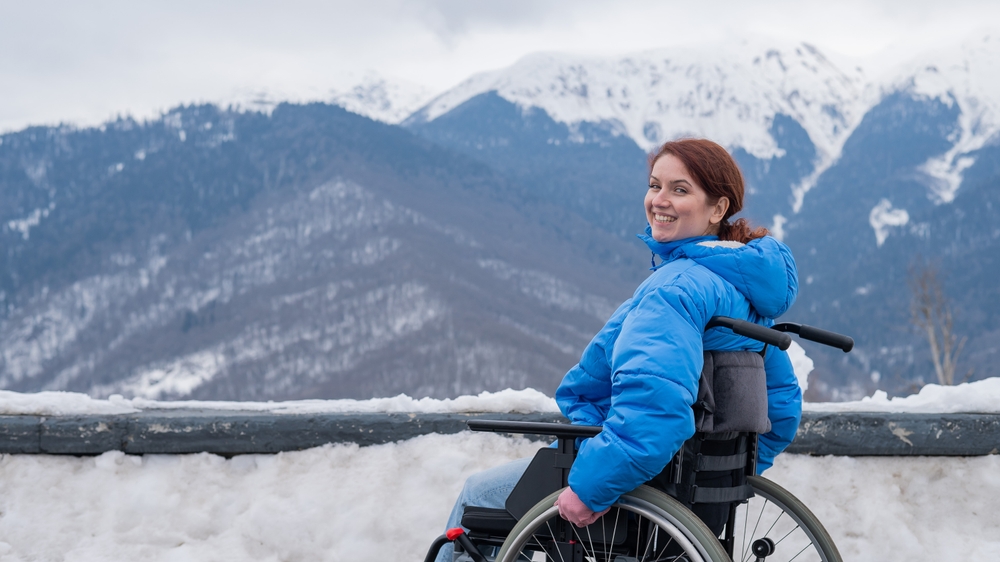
[(87, 61)]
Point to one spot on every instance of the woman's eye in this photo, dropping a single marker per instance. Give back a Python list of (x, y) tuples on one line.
[(652, 186)]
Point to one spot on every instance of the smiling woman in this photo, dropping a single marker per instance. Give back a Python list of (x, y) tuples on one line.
[(638, 377)]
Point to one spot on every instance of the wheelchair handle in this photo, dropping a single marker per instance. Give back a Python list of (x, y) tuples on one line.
[(817, 335), (560, 430), (752, 331)]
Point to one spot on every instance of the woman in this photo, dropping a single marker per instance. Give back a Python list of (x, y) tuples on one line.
[(638, 377)]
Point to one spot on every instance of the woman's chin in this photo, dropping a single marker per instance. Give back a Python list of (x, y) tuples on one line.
[(663, 237)]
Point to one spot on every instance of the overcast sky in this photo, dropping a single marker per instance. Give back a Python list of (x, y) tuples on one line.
[(85, 62)]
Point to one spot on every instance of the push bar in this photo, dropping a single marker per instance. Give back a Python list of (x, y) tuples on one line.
[(753, 331), (824, 337)]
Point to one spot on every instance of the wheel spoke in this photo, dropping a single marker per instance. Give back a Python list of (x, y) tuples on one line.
[(748, 540), (614, 533), (580, 541), (649, 539), (795, 528), (773, 523), (555, 544), (800, 552)]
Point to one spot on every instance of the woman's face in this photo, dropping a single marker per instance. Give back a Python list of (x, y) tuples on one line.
[(676, 206)]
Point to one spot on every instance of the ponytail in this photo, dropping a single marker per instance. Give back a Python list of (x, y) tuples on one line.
[(740, 231)]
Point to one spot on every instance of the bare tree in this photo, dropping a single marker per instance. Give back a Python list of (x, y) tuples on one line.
[(931, 312)]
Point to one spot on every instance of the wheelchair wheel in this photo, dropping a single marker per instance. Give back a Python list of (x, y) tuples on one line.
[(643, 526), (776, 522)]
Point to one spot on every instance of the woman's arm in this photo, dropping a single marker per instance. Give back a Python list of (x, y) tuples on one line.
[(656, 363), (585, 393), (784, 407)]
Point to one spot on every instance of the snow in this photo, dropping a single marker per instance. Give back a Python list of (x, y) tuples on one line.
[(389, 100), (729, 92), (802, 365), (58, 403), (345, 503), (883, 216), (71, 403), (975, 397), (380, 99), (33, 219), (981, 397), (967, 74), (179, 377)]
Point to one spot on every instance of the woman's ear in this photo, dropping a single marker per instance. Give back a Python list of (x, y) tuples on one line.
[(719, 210)]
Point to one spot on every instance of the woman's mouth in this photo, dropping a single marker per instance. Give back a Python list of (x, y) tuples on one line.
[(664, 218)]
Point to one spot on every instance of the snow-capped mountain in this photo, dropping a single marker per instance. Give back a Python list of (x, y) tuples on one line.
[(369, 94), (728, 92), (901, 164), (378, 98), (732, 92), (968, 76)]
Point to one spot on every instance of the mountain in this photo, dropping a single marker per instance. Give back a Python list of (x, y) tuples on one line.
[(865, 175), (370, 94), (381, 99), (730, 92), (308, 252)]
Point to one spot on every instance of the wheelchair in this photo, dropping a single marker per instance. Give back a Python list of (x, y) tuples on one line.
[(707, 505)]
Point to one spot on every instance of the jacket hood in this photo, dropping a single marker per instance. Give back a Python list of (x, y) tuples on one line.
[(763, 269)]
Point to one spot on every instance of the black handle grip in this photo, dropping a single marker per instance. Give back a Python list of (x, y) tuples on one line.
[(751, 330), (817, 335)]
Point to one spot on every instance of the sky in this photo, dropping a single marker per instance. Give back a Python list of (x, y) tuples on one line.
[(83, 63)]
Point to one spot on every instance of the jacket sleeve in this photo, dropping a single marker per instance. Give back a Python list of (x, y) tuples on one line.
[(655, 367), (584, 395), (784, 407)]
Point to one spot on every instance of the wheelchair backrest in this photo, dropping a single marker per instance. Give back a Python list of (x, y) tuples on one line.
[(732, 393)]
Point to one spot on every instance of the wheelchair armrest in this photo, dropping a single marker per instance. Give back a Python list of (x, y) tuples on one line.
[(558, 430)]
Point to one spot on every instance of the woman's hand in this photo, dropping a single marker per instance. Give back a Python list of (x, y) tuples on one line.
[(574, 510)]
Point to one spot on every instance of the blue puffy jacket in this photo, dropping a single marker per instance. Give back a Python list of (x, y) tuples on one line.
[(638, 378)]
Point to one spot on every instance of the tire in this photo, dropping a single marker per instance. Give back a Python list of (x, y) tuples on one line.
[(679, 534), (776, 514)]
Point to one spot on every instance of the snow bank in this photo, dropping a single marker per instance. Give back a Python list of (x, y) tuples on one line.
[(59, 404), (388, 502), (980, 397), (69, 403), (975, 397)]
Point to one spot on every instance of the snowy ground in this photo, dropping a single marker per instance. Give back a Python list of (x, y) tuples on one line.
[(388, 502)]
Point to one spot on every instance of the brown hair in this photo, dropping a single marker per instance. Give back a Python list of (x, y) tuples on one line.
[(717, 173)]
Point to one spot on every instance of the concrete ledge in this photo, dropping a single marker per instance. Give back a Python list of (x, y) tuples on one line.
[(239, 432), (880, 434), (222, 432)]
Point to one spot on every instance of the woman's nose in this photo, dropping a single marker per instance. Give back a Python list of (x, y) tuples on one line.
[(661, 199)]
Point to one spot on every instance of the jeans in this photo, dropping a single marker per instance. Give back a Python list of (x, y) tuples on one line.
[(488, 488)]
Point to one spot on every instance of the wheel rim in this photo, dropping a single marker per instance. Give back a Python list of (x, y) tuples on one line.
[(775, 515), (664, 544)]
